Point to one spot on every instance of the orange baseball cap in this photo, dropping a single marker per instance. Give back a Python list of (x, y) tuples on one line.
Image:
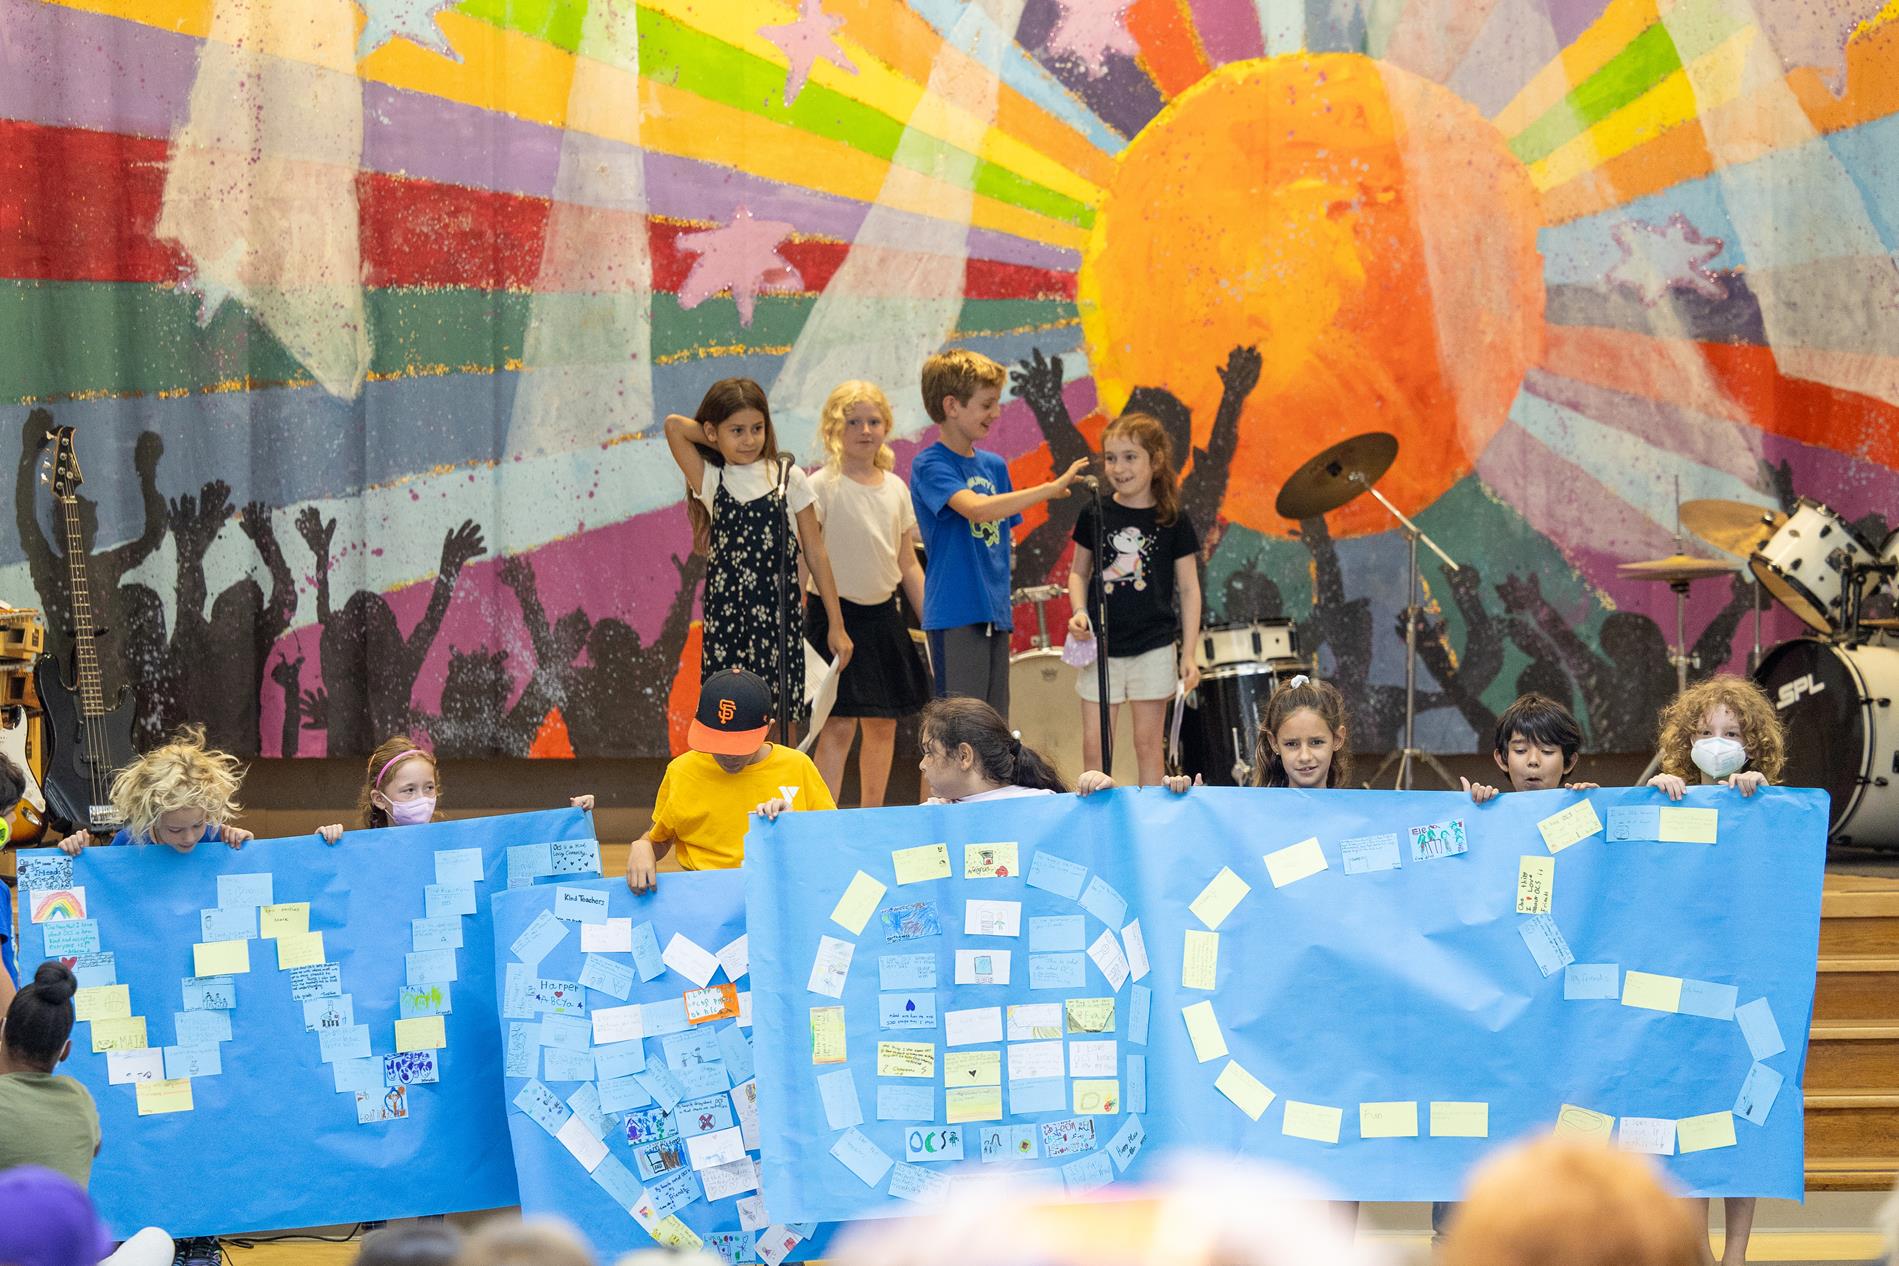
[(734, 714)]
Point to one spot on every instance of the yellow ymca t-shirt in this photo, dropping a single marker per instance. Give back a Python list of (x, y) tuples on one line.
[(706, 811)]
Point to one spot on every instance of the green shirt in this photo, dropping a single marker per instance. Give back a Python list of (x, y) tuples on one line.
[(50, 1121)]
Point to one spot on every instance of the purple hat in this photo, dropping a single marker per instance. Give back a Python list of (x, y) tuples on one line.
[(46, 1219)]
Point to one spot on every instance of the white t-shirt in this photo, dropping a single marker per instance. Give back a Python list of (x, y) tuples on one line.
[(749, 483), (863, 532)]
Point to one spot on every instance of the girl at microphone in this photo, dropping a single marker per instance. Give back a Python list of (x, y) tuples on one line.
[(1149, 570)]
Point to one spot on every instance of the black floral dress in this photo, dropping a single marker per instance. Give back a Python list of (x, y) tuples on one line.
[(744, 591)]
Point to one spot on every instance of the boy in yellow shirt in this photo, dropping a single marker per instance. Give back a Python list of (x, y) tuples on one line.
[(708, 793)]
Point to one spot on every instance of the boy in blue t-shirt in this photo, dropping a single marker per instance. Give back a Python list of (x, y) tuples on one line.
[(965, 508)]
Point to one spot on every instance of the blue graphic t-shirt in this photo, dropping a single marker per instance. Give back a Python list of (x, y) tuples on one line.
[(967, 576)]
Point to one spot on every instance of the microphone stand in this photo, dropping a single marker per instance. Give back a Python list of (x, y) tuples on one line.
[(1098, 596), (785, 583)]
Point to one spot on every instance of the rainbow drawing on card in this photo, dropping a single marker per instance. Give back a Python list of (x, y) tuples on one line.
[(60, 903)]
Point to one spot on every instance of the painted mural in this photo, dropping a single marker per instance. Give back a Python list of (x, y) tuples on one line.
[(365, 316)]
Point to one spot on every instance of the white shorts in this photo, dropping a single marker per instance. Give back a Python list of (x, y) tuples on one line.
[(1150, 675)]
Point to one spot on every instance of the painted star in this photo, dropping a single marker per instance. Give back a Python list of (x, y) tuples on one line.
[(741, 257), (1088, 30), (413, 20), (1657, 258), (803, 42)]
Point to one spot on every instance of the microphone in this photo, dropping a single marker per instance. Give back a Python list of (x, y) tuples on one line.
[(1090, 482)]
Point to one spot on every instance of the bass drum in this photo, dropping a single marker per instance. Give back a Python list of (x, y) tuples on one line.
[(1045, 710), (1836, 703), (1222, 723)]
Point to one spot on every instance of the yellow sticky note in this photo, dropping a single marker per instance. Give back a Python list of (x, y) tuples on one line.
[(972, 1103), (1087, 1015), (118, 1035), (904, 1059), (1536, 878), (1218, 898), (103, 1002), (675, 1234), (1698, 1134), (292, 916), (1201, 959), (1097, 1098), (1452, 1119), (1575, 1122), (1312, 1121), (915, 865), (170, 1095), (990, 861), (299, 949), (1295, 862), (1246, 1091), (859, 902), (827, 1035), (423, 1033), (1688, 826), (1578, 822), (1203, 1029), (1656, 993), (221, 958), (1393, 1120), (972, 1068)]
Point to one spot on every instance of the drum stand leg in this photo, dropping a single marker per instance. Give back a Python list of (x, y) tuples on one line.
[(1410, 751)]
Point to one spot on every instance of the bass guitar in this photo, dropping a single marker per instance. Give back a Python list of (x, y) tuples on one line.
[(90, 739)]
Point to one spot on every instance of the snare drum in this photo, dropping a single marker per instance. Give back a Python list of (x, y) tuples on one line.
[(1254, 643), (1045, 710), (1804, 564), (1837, 703)]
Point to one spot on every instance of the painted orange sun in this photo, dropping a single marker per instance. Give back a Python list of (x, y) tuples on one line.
[(1366, 228)]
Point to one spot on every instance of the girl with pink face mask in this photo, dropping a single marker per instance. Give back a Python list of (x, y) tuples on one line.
[(403, 785)]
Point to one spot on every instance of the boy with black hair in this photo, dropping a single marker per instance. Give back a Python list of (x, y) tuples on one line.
[(1537, 744)]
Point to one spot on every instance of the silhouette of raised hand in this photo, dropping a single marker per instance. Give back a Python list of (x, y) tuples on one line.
[(316, 531), (151, 447), (516, 573), (460, 545), (1521, 593), (287, 672), (1039, 382), (254, 519), (195, 520), (1240, 374), (316, 709)]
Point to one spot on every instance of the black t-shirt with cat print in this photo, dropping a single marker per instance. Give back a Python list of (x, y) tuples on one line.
[(1137, 567)]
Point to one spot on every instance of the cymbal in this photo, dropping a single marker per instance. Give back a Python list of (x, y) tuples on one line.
[(1732, 526), (1335, 476), (1676, 568), (1883, 625)]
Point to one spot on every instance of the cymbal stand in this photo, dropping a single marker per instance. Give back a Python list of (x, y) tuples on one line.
[(1410, 751)]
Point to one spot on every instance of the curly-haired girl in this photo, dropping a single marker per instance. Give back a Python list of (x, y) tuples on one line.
[(1723, 730)]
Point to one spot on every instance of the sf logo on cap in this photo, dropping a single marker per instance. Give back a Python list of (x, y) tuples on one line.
[(727, 710)]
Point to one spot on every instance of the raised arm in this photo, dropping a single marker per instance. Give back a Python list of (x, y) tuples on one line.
[(685, 438), (980, 507), (194, 525), (458, 546), (254, 519), (124, 558), (518, 575), (317, 534)]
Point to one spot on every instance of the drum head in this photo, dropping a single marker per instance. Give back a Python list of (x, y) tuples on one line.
[(1790, 593), (1817, 692)]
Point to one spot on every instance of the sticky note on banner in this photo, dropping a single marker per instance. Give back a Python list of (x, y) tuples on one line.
[(1313, 1121), (858, 903), (827, 1035), (1679, 825), (1389, 1120), (221, 958), (424, 1033), (1203, 1030), (1569, 826), (1459, 1119), (921, 864), (273, 921), (1248, 1093), (1295, 862), (303, 949), (972, 1068), (119, 1035), (1536, 878), (172, 1094), (106, 1002), (1200, 960), (1223, 892), (1700, 1134), (1651, 992), (901, 1059), (1573, 1121)]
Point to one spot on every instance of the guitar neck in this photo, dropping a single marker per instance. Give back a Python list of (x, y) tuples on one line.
[(85, 644)]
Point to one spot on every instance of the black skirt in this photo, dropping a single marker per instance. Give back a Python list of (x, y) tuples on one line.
[(885, 677)]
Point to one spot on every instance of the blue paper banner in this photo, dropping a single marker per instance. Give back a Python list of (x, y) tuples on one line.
[(269, 1140), (1385, 985), (630, 1031)]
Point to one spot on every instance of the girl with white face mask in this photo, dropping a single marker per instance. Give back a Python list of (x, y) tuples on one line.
[(403, 785), (1720, 731)]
